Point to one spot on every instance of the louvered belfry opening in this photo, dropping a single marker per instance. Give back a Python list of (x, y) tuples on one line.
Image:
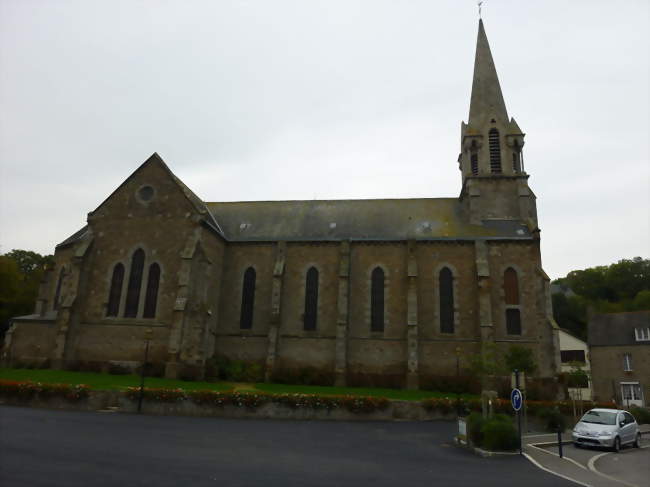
[(516, 159), (495, 151), (446, 286), (115, 292), (247, 300), (311, 299), (135, 281), (151, 298), (511, 295), (377, 300), (474, 161)]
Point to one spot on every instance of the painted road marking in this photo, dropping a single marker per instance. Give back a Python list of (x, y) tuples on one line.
[(534, 462)]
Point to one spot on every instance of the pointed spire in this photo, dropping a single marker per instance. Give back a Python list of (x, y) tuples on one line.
[(487, 99)]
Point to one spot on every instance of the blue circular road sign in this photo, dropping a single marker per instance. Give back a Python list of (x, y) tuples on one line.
[(516, 399)]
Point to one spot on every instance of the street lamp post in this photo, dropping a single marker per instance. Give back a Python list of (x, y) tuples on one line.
[(458, 351), (147, 338)]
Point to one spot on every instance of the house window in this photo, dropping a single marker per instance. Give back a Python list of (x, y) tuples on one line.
[(115, 292), (151, 298), (135, 281), (495, 151), (311, 299), (627, 362), (642, 334), (247, 300), (446, 282), (377, 300), (631, 391), (511, 295), (568, 356)]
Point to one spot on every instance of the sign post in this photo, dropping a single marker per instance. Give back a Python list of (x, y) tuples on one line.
[(517, 399)]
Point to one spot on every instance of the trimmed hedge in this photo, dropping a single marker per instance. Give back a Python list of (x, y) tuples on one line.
[(30, 390), (497, 433), (251, 400), (642, 415), (446, 405)]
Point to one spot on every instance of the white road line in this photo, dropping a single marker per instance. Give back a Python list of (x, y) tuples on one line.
[(592, 467), (534, 462), (564, 457)]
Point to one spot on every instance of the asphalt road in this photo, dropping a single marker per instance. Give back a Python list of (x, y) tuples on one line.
[(631, 465), (61, 448)]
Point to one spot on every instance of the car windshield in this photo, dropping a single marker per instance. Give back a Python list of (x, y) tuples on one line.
[(599, 417)]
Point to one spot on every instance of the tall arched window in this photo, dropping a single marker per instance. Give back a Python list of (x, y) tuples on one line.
[(115, 292), (151, 298), (446, 282), (474, 161), (511, 295), (311, 299), (377, 300), (495, 151), (57, 292), (247, 300), (135, 282)]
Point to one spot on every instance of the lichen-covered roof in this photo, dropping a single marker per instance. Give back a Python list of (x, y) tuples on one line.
[(78, 235), (335, 220)]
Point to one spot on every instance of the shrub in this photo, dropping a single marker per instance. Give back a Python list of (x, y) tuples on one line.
[(553, 418), (117, 369), (475, 423), (235, 370), (309, 376), (642, 415), (499, 434)]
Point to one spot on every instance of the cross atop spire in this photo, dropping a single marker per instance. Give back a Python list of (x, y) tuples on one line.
[(487, 100)]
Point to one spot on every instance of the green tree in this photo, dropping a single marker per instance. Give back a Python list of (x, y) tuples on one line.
[(623, 286), (570, 312), (520, 358), (21, 272)]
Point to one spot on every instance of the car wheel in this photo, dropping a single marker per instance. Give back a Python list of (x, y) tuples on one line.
[(617, 444), (637, 441)]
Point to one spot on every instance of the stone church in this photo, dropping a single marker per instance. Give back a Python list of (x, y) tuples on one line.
[(368, 291)]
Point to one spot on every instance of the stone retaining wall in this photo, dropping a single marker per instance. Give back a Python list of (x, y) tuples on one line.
[(102, 400)]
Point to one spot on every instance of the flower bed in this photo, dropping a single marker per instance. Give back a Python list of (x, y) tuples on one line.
[(253, 400), (29, 390)]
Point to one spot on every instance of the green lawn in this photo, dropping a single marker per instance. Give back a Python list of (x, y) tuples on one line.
[(113, 382), (104, 381)]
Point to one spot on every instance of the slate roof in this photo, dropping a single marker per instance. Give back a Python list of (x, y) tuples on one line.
[(78, 235), (335, 220), (615, 329)]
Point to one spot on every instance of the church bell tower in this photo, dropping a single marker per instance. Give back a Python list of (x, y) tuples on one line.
[(495, 184)]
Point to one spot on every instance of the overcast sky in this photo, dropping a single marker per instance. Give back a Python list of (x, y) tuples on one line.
[(280, 100)]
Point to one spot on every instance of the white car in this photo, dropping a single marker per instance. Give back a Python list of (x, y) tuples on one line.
[(610, 428)]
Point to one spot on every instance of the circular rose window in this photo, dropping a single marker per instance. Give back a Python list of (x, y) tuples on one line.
[(145, 193)]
